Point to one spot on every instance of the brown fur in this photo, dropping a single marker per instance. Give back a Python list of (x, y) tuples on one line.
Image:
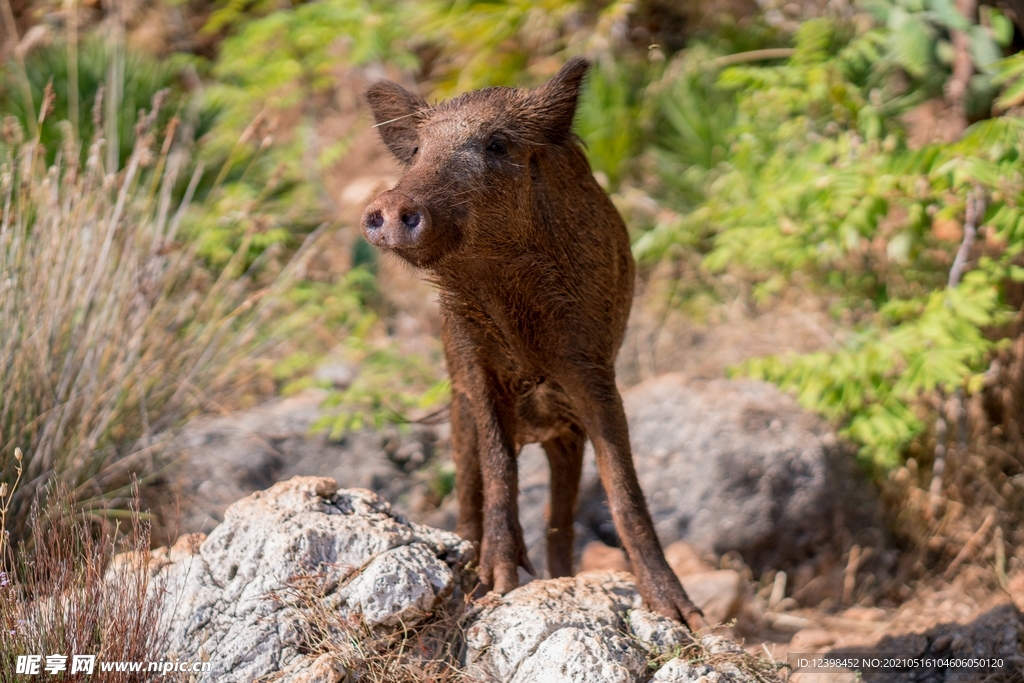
[(500, 209)]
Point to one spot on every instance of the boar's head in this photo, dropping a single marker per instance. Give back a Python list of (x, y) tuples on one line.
[(473, 166)]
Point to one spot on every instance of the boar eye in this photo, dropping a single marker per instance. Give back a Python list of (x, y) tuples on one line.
[(498, 147), (414, 150)]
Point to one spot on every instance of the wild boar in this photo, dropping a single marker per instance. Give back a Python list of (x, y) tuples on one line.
[(500, 210)]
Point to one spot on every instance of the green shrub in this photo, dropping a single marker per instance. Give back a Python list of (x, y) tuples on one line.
[(389, 382), (48, 66), (810, 180), (270, 161), (495, 43)]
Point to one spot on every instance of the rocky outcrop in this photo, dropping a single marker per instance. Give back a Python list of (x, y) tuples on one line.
[(228, 603), (588, 627), (241, 599)]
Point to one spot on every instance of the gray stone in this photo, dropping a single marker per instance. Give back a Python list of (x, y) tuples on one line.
[(222, 459), (398, 586), (576, 655), (681, 671), (726, 466), (655, 632)]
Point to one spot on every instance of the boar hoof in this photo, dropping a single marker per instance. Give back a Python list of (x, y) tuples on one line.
[(669, 599), (501, 578), (499, 567)]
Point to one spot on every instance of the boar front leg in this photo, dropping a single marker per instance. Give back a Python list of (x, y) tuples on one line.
[(605, 421), (489, 446), (502, 551), (469, 485)]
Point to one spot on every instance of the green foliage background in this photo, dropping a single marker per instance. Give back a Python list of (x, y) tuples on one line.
[(778, 158)]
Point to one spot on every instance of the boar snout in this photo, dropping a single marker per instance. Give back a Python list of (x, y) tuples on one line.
[(395, 220)]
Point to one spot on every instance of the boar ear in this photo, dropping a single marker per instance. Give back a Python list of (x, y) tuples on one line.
[(395, 110), (554, 103)]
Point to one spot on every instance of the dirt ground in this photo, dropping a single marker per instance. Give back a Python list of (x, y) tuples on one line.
[(939, 620)]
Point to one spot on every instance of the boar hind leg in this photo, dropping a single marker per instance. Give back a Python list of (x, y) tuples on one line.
[(565, 457), (601, 407), (469, 486)]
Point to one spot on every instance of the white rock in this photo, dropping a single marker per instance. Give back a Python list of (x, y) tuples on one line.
[(226, 599), (656, 632), (398, 586), (597, 616), (718, 645), (575, 655), (680, 671), (226, 602)]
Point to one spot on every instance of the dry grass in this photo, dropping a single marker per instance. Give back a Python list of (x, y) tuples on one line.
[(113, 332), (428, 652), (958, 503), (724, 656), (73, 594)]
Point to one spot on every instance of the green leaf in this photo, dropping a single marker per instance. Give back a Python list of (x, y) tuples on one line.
[(1002, 27), (984, 50), (1012, 96), (948, 15), (912, 43)]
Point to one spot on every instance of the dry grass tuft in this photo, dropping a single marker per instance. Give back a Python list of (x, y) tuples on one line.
[(958, 502), (722, 655), (76, 593), (428, 652), (113, 331)]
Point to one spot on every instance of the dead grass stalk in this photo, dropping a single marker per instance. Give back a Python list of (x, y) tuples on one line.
[(79, 593)]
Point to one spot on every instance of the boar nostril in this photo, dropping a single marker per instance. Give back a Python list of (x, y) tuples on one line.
[(375, 220), (411, 220)]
